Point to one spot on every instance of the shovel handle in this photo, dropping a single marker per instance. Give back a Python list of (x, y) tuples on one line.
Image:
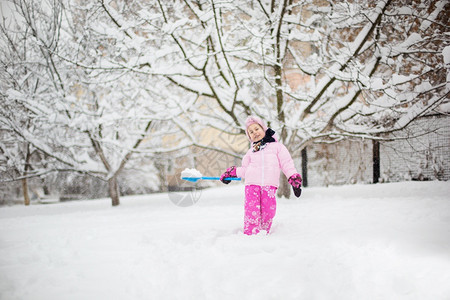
[(195, 179)]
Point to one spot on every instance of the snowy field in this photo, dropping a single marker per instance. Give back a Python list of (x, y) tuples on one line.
[(384, 241)]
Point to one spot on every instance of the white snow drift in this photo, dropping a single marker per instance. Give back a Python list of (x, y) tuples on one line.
[(384, 241)]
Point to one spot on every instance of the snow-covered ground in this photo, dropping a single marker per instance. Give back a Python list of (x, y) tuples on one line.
[(384, 241)]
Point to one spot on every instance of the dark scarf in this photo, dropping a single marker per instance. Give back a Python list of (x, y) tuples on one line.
[(261, 144)]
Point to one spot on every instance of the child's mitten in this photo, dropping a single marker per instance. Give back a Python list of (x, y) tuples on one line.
[(230, 172), (296, 182)]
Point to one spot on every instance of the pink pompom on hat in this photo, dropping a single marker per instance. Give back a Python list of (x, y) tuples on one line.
[(252, 120)]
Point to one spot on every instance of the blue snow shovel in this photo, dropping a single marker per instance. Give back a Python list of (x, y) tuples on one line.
[(195, 179)]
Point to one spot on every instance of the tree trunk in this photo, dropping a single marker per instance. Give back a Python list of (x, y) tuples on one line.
[(284, 190), (304, 167), (113, 188), (26, 196), (376, 161)]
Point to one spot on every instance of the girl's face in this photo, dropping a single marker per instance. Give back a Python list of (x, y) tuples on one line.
[(255, 132)]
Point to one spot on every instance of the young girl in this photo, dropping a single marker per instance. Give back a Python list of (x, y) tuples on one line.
[(261, 167)]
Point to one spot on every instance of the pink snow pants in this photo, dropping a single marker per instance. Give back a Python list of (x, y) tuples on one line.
[(260, 207)]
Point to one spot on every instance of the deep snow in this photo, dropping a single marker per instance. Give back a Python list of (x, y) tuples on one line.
[(384, 241)]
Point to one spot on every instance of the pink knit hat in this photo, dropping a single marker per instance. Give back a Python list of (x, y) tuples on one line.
[(252, 120)]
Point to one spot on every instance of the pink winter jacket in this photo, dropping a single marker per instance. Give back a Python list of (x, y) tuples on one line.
[(263, 167)]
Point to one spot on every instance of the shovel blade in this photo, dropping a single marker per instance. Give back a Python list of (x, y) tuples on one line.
[(191, 179)]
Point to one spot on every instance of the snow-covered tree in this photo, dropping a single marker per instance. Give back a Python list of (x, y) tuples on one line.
[(318, 71), (30, 86), (109, 74), (86, 106)]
